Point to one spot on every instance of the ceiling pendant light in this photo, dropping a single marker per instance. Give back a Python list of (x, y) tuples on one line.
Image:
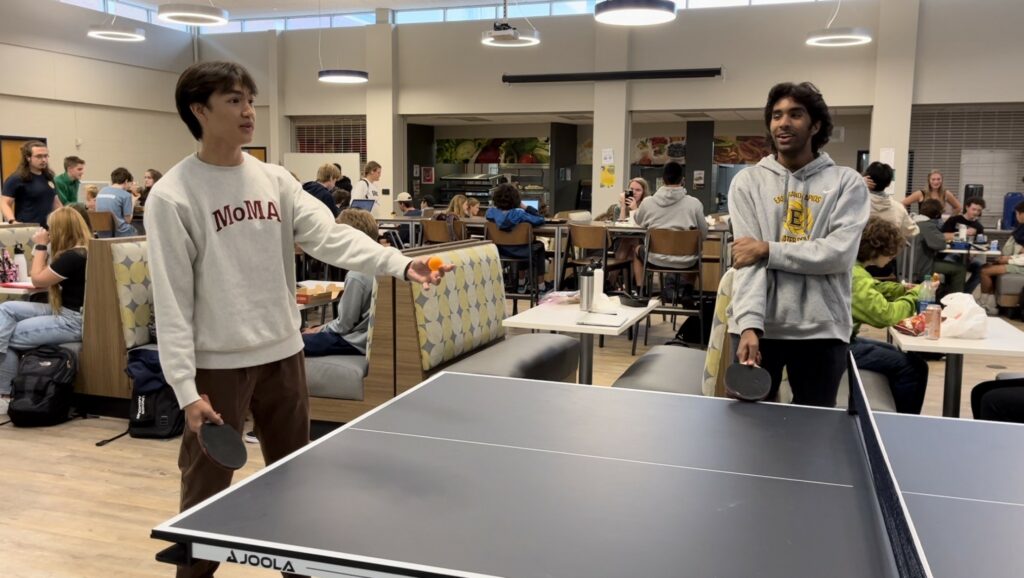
[(116, 32), (829, 36), (505, 35), (193, 14), (635, 12), (335, 75)]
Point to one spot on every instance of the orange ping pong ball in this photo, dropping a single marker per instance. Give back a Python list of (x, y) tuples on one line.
[(435, 263)]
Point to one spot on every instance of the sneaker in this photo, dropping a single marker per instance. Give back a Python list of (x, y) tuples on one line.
[(4, 402), (250, 437)]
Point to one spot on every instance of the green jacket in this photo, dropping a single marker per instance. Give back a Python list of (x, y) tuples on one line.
[(880, 303), (67, 189)]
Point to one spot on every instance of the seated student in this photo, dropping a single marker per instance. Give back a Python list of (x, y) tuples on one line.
[(406, 210), (973, 208), (884, 304), (342, 198), (1012, 261), (91, 191), (472, 208), (669, 208), (117, 200), (456, 212), (1000, 400), (426, 203), (346, 334), (507, 210), (326, 177), (927, 247), (58, 262)]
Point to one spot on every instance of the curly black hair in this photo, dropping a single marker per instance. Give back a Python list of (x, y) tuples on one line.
[(810, 97), (880, 238), (506, 197)]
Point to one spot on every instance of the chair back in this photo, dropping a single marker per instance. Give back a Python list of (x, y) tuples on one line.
[(101, 222), (588, 237), (435, 231), (674, 242), (521, 234)]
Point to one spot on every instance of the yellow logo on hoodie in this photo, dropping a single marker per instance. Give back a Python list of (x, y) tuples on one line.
[(799, 219)]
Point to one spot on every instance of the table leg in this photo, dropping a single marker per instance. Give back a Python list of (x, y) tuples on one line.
[(954, 381), (558, 259), (586, 373)]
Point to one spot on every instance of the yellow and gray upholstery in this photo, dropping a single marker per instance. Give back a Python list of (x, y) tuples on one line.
[(718, 343), (463, 315), (134, 294), (341, 376)]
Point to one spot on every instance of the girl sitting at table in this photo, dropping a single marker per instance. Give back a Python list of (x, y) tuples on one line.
[(507, 210), (58, 263), (1012, 261)]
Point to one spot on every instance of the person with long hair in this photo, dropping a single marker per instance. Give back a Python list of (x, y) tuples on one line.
[(149, 178), (30, 194), (630, 200), (935, 190), (459, 206), (472, 207), (58, 263), (366, 187)]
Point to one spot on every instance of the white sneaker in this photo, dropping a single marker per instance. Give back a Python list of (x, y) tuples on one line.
[(977, 294), (4, 402), (250, 437)]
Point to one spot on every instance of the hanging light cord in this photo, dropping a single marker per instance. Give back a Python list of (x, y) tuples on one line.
[(532, 27), (834, 14), (319, 33)]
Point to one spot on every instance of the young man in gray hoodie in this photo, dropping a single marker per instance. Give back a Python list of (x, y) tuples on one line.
[(222, 230), (798, 219)]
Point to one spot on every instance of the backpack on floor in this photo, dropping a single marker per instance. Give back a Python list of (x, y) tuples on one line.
[(44, 387), (154, 410)]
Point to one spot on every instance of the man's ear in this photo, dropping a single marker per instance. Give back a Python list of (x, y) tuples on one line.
[(815, 128), (199, 110)]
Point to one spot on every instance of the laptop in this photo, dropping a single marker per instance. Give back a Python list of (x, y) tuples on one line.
[(534, 203), (364, 204)]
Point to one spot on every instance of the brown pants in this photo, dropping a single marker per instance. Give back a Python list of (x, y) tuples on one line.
[(277, 396)]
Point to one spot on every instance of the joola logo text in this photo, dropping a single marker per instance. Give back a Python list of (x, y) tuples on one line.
[(250, 211), (258, 561)]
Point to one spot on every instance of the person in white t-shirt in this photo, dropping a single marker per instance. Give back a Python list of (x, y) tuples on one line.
[(366, 187)]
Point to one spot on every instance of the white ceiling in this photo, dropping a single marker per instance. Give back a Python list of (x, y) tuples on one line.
[(281, 8)]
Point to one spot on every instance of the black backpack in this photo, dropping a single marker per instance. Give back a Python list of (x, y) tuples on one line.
[(44, 387), (154, 410)]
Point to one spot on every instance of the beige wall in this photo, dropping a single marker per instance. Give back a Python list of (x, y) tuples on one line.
[(493, 131)]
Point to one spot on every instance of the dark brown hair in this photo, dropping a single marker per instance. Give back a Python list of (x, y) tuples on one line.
[(72, 161), (879, 239), (931, 208), (506, 197), (202, 80), (810, 97), (120, 175), (24, 165)]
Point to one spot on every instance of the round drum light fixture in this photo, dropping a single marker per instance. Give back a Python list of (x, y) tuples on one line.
[(506, 35), (193, 14), (338, 76), (635, 12), (839, 37), (116, 32)]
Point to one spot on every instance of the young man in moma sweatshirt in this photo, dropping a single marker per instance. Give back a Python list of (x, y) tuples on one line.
[(222, 228), (797, 218)]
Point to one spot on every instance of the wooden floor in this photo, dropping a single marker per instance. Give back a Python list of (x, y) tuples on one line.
[(71, 509)]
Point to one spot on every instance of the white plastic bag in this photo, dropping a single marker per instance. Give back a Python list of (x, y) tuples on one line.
[(963, 318)]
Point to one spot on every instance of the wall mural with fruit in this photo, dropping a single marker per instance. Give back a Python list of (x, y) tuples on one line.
[(658, 150), (504, 151)]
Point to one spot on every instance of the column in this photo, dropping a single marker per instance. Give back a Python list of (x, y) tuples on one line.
[(611, 116), (384, 141)]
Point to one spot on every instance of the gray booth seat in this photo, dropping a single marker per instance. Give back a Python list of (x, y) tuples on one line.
[(336, 376), (666, 368), (1008, 288), (1010, 375), (544, 356)]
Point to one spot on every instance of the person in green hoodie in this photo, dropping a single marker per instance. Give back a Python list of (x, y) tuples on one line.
[(797, 218), (68, 181), (884, 304)]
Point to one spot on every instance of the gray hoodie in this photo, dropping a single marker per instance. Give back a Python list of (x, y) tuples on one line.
[(812, 220), (672, 208)]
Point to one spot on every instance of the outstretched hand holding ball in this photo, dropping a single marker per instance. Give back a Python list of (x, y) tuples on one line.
[(428, 270)]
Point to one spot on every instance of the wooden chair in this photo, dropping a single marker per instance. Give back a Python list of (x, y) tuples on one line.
[(584, 238), (101, 222), (520, 235), (436, 232), (675, 243)]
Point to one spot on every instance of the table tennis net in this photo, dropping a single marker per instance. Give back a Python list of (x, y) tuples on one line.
[(906, 547)]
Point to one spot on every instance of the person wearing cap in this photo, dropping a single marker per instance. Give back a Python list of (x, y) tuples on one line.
[(405, 205)]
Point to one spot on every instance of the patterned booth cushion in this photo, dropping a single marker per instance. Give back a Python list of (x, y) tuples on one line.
[(131, 277), (719, 328), (465, 311)]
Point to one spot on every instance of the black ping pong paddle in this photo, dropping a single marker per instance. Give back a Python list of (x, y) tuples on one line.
[(223, 444), (747, 382)]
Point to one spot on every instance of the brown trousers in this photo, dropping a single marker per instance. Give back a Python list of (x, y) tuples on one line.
[(277, 396)]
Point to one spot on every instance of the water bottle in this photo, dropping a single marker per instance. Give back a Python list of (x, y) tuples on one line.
[(586, 288), (926, 296), (20, 263)]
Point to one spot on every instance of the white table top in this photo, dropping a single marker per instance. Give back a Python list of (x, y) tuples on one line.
[(552, 317), (20, 291), (1002, 339), (978, 252)]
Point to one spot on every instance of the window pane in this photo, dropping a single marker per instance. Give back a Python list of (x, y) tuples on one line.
[(165, 24), (308, 22), (348, 20), (528, 10), (713, 3), (574, 7), (90, 4), (230, 27), (472, 13), (261, 25), (416, 16), (128, 11), (778, 1)]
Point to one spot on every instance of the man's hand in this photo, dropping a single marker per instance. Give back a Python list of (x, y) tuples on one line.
[(311, 330), (748, 352), (199, 412), (870, 183), (419, 272), (747, 251)]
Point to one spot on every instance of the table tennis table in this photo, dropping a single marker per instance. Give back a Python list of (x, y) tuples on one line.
[(469, 475)]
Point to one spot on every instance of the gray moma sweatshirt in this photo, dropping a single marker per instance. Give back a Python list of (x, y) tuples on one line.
[(221, 244), (672, 208), (812, 220)]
